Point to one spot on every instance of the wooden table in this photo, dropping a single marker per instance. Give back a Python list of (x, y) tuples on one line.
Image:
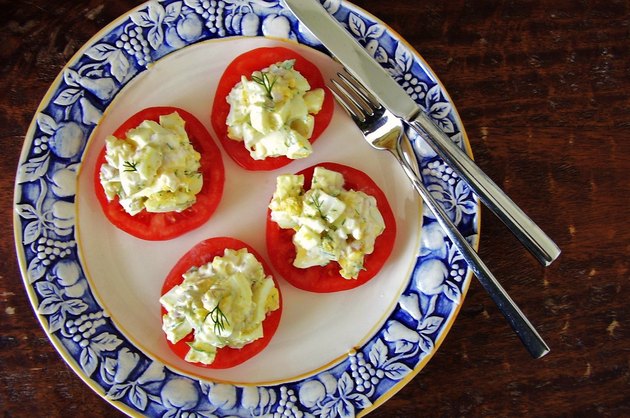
[(543, 90)]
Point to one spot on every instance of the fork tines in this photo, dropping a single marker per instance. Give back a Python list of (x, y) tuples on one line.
[(352, 96)]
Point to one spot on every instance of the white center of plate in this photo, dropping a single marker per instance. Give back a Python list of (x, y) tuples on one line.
[(126, 274)]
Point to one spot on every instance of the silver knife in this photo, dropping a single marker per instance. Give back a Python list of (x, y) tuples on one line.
[(361, 65)]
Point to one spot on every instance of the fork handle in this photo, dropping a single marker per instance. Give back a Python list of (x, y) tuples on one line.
[(527, 232), (517, 320)]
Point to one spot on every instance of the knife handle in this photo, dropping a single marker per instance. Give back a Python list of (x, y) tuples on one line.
[(527, 232)]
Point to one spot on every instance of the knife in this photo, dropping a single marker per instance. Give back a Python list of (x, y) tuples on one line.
[(362, 66)]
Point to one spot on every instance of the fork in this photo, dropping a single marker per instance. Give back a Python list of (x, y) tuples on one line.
[(384, 131)]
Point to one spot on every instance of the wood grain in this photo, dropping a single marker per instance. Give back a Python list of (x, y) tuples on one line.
[(543, 90)]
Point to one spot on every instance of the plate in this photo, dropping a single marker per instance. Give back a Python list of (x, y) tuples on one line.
[(95, 289)]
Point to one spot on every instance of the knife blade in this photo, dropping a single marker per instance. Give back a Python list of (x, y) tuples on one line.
[(391, 95)]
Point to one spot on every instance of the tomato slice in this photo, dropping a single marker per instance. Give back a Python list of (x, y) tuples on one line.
[(199, 255), (164, 226), (326, 279), (244, 65)]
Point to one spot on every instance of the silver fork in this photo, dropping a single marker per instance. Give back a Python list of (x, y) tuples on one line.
[(384, 131)]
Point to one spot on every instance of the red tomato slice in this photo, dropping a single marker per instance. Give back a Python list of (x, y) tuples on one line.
[(245, 65), (327, 279), (199, 255), (164, 226)]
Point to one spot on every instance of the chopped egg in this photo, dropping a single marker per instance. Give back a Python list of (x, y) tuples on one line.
[(154, 168), (330, 223), (224, 304), (272, 113)]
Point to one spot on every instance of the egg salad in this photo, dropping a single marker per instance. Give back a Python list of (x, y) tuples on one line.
[(272, 112), (330, 223), (155, 168), (223, 303)]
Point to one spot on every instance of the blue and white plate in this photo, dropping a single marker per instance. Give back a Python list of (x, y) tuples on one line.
[(95, 289)]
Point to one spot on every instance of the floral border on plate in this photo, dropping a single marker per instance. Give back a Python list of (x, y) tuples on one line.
[(80, 328)]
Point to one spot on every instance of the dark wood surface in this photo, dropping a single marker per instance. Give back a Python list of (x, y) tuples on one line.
[(543, 90)]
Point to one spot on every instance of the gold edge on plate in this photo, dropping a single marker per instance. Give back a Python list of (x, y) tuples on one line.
[(33, 298)]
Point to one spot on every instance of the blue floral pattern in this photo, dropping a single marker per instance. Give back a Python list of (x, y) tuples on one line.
[(54, 277)]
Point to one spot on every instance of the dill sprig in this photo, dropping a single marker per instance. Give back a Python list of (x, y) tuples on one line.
[(266, 83), (318, 205), (219, 319), (130, 166)]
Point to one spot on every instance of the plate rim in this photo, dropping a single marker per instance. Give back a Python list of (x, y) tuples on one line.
[(47, 99)]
